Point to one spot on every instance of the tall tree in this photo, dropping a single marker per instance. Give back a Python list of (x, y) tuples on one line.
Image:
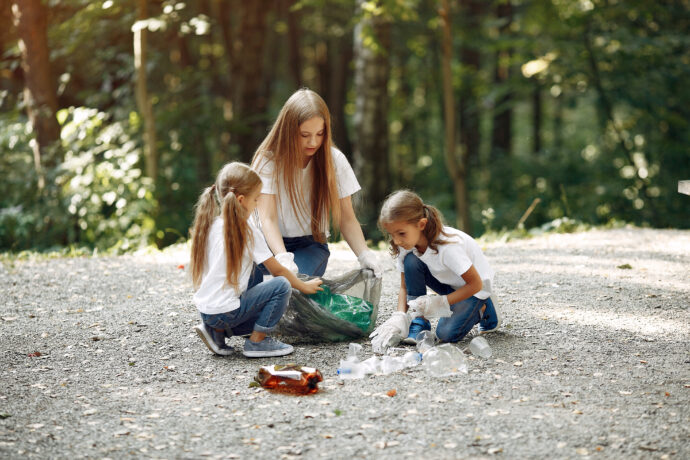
[(372, 70), (140, 30), (501, 138), (40, 94), (470, 60), (248, 70), (455, 165)]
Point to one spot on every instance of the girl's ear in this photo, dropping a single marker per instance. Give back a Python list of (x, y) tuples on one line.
[(240, 198), (421, 224)]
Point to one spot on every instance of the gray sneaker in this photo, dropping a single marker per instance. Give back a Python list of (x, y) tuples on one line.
[(215, 341), (267, 348)]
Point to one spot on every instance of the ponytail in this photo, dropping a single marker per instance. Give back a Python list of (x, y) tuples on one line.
[(237, 236), (433, 227), (206, 211)]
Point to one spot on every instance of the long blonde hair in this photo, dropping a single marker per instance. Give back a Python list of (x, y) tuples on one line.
[(234, 179), (282, 145), (407, 206)]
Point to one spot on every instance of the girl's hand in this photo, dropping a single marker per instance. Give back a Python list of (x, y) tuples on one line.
[(311, 286)]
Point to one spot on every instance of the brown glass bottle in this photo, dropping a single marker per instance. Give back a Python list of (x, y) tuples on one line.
[(291, 378)]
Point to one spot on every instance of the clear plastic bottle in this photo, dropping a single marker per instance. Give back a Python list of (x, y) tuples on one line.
[(350, 370), (480, 347), (425, 341), (412, 358), (390, 364), (444, 360)]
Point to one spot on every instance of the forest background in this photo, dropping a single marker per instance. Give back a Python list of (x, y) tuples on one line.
[(115, 114)]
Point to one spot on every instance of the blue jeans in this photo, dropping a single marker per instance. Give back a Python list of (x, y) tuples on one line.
[(465, 313), (261, 307), (311, 256)]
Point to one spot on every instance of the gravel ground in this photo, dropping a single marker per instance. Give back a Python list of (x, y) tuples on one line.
[(593, 360)]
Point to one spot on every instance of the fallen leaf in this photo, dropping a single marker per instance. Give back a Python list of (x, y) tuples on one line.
[(35, 354), (327, 436), (494, 450), (625, 267), (181, 266), (393, 392), (667, 394), (517, 363), (578, 412)]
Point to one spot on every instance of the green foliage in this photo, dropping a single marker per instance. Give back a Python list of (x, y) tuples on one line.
[(96, 197)]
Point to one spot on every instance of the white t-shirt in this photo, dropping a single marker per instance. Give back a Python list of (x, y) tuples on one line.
[(454, 259), (215, 295), (290, 221)]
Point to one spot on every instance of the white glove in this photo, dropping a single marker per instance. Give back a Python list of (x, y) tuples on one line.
[(287, 260), (390, 333), (430, 306), (367, 259)]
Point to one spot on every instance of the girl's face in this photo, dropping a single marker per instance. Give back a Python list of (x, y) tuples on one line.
[(311, 134), (408, 235), (250, 200)]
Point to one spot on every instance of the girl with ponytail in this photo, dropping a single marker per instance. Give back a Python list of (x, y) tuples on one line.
[(443, 258), (231, 295)]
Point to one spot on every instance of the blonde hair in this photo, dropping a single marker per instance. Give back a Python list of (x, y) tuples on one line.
[(282, 145), (234, 179), (407, 206)]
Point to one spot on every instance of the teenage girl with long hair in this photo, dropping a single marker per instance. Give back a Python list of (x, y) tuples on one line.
[(231, 295), (308, 184), (443, 258)]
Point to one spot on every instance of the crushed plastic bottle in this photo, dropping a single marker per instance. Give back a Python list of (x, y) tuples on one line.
[(425, 341), (480, 347), (444, 360), (350, 367), (390, 364), (412, 358), (291, 378)]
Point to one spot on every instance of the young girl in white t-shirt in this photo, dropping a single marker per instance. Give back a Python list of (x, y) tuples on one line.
[(446, 260), (306, 179), (231, 295)]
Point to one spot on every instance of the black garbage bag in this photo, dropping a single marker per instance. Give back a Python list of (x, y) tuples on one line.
[(346, 309)]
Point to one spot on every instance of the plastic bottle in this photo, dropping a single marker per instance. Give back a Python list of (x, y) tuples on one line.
[(425, 341), (412, 358), (292, 378), (390, 364), (350, 370), (444, 360), (480, 347)]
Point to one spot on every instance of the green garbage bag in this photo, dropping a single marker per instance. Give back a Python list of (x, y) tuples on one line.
[(350, 308), (346, 309)]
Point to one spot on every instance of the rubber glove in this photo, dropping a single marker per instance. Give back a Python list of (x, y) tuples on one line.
[(287, 260), (367, 259), (430, 306), (391, 332)]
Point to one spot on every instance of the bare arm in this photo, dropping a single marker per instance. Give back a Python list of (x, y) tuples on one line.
[(402, 295), (306, 287), (268, 214), (474, 285), (350, 227)]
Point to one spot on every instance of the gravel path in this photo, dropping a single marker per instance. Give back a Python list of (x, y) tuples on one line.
[(593, 361)]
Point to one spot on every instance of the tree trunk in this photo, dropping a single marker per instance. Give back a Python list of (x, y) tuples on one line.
[(294, 33), (40, 93), (502, 123), (372, 70), (251, 100), (340, 52), (470, 59), (142, 94), (454, 164)]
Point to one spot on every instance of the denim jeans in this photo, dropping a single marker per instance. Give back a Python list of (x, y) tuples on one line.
[(311, 256), (465, 313), (261, 307)]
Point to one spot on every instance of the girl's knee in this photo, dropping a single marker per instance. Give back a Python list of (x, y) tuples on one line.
[(412, 262), (281, 285)]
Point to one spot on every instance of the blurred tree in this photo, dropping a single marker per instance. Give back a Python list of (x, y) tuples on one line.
[(372, 70), (40, 95), (140, 29)]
